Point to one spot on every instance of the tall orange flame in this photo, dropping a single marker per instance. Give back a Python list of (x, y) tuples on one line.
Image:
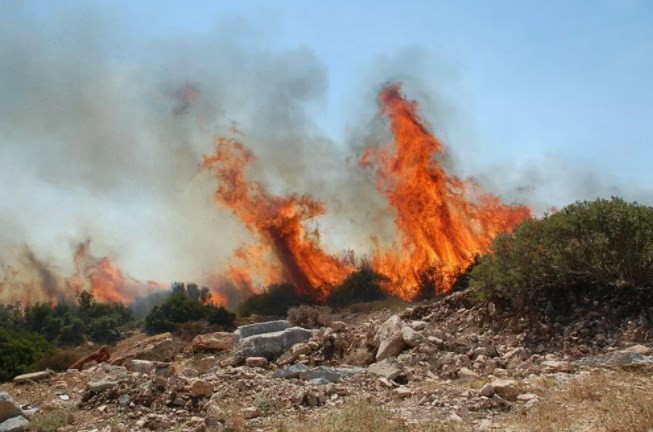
[(443, 222), (278, 222)]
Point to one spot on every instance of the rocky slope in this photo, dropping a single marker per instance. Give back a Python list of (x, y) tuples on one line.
[(445, 365)]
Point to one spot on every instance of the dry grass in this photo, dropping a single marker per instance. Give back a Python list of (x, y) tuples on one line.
[(51, 421), (602, 401)]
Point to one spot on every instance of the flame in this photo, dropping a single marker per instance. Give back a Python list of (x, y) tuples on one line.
[(290, 252), (443, 222)]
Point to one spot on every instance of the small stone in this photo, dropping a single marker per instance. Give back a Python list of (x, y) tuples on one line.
[(466, 373), (338, 326), (201, 388), (418, 325), (256, 362), (388, 369), (251, 412), (206, 364), (100, 386), (402, 392), (34, 376)]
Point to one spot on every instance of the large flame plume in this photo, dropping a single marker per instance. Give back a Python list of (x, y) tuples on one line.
[(443, 222)]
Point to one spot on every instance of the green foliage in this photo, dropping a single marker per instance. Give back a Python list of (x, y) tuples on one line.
[(59, 360), (185, 305), (587, 246), (363, 285), (19, 350), (274, 301)]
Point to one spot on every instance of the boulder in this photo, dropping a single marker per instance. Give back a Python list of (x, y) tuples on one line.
[(505, 388), (271, 345), (555, 366), (389, 338), (260, 328), (14, 424), (34, 376), (100, 386), (466, 373), (639, 349), (218, 341), (256, 362), (201, 388), (388, 369), (155, 348), (206, 364), (8, 408)]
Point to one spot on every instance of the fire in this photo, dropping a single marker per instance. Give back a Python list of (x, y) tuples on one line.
[(290, 251), (443, 222)]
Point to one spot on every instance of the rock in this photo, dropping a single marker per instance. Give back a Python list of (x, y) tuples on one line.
[(639, 349), (201, 387), (411, 337), (99, 356), (100, 386), (389, 338), (418, 325), (558, 366), (338, 326), (291, 371), (140, 366), (251, 412), (8, 408), (616, 359), (300, 348), (218, 341), (256, 362), (319, 381), (34, 376), (260, 328), (505, 388), (14, 424), (466, 373), (124, 400), (271, 345), (402, 392), (525, 397), (330, 374), (154, 348), (388, 369), (206, 364)]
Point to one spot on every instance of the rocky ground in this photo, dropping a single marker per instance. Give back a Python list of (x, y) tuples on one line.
[(447, 365)]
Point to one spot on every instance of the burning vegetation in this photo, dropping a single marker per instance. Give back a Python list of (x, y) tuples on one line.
[(443, 222)]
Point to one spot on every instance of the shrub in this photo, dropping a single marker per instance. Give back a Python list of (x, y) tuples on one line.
[(59, 360), (19, 351), (363, 285), (180, 308), (586, 247), (274, 301), (310, 316)]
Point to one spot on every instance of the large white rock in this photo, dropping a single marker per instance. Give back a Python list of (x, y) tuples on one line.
[(14, 424), (271, 345), (260, 328), (389, 338), (8, 408)]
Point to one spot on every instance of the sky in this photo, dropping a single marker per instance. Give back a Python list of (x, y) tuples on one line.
[(544, 102)]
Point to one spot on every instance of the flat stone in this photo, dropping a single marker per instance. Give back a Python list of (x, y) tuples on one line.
[(14, 424), (217, 341), (100, 386), (319, 381), (34, 376), (466, 373), (155, 348), (388, 369), (260, 328), (291, 371), (558, 366), (330, 374), (141, 366), (271, 345), (251, 412), (639, 349), (402, 392), (256, 362)]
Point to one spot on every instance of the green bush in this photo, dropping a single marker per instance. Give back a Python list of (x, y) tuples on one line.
[(274, 301), (181, 308), (19, 351), (364, 285), (587, 246)]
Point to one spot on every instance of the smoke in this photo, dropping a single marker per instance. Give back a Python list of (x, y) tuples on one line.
[(102, 134)]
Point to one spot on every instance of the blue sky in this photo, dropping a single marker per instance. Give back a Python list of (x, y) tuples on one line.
[(573, 79)]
